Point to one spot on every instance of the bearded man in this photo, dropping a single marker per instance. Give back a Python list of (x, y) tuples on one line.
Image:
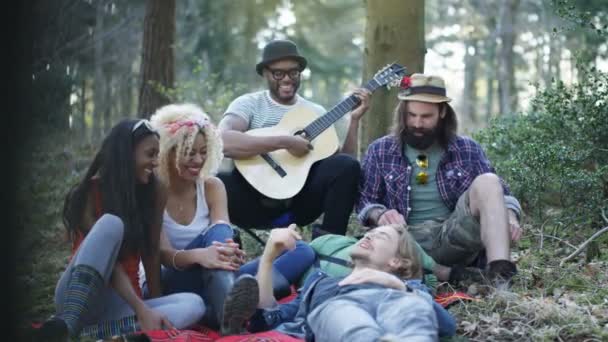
[(441, 184)]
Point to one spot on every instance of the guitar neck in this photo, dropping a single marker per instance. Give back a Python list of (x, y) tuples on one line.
[(315, 128)]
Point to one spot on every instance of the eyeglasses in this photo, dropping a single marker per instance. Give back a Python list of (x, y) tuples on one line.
[(279, 74), (143, 122), (422, 161)]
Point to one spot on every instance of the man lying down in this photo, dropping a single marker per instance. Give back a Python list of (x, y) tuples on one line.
[(382, 299)]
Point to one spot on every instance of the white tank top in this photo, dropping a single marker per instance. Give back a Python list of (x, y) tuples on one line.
[(180, 235)]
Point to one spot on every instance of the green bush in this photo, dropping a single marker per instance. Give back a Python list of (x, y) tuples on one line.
[(555, 157)]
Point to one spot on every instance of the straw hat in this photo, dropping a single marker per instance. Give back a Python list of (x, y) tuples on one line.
[(423, 88)]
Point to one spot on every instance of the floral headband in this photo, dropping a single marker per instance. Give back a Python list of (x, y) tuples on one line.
[(174, 126)]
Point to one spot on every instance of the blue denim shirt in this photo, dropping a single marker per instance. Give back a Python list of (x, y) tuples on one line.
[(290, 318)]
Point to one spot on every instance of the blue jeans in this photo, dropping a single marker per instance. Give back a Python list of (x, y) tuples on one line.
[(291, 264), (266, 319), (369, 314)]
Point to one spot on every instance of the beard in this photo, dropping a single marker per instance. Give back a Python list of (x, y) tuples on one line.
[(274, 87), (420, 142)]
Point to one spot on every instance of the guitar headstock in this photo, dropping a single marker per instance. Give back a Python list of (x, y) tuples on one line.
[(390, 75)]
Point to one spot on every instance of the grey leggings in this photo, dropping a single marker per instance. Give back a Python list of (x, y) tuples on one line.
[(99, 250)]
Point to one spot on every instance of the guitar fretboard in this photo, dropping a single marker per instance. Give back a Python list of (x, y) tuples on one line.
[(315, 128)]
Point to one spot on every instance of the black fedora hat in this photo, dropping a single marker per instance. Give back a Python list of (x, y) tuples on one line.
[(277, 50)]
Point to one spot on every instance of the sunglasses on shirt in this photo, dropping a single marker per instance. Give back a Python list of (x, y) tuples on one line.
[(422, 177)]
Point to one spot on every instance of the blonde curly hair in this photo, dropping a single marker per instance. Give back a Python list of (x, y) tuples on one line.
[(178, 125)]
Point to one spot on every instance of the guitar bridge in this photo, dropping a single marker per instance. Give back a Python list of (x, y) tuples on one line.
[(274, 165)]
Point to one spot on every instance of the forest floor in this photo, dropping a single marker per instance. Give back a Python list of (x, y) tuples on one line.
[(546, 302)]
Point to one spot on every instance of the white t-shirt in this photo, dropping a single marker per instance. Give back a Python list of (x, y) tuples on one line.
[(260, 110)]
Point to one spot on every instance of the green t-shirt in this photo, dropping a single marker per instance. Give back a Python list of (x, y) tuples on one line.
[(339, 246), (425, 199)]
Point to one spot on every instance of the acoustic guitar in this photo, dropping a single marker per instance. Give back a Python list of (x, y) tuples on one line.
[(279, 174)]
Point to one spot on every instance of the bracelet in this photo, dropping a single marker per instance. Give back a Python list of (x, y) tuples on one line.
[(173, 259)]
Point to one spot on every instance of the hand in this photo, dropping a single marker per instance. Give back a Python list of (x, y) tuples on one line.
[(363, 95), (218, 256), (298, 146), (281, 239), (390, 216), (514, 227), (150, 319), (370, 275), (240, 256)]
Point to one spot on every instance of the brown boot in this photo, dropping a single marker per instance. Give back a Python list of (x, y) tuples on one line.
[(500, 272), (465, 276)]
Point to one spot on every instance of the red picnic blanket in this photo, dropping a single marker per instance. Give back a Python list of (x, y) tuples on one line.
[(203, 334), (211, 336)]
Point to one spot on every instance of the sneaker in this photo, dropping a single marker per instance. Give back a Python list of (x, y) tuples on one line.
[(240, 304), (500, 272), (53, 330)]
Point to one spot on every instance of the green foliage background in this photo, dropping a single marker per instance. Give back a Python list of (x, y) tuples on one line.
[(555, 156)]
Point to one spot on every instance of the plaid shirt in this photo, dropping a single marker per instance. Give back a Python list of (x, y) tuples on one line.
[(386, 174)]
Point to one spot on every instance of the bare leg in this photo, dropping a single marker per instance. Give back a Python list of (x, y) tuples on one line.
[(486, 201)]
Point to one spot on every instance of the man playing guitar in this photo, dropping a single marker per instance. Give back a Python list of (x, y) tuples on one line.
[(330, 187)]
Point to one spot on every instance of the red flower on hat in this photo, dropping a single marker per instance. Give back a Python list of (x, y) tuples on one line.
[(406, 82)]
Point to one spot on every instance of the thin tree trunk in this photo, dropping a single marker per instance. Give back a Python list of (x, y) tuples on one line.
[(550, 67), (251, 51), (394, 32), (107, 111), (490, 74), (99, 84), (333, 91), (555, 57), (81, 125), (506, 73), (157, 66), (470, 77)]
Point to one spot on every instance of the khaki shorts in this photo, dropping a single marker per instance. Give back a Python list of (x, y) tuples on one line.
[(456, 240)]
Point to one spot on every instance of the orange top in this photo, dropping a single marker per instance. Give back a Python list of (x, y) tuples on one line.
[(130, 262)]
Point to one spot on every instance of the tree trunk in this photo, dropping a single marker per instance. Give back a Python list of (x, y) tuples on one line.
[(549, 65), (157, 64), (251, 50), (394, 32), (470, 77), (81, 125), (333, 91), (490, 64), (100, 83), (555, 57), (506, 71), (107, 108)]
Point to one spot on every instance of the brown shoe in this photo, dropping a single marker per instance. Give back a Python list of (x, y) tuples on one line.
[(500, 272), (464, 276)]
